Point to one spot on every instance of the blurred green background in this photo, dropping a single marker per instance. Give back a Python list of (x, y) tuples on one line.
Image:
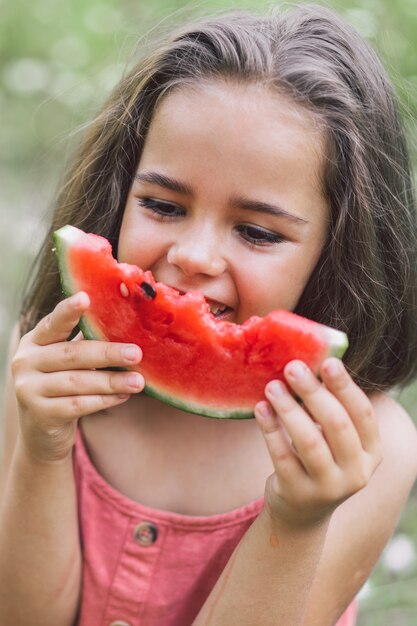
[(58, 62)]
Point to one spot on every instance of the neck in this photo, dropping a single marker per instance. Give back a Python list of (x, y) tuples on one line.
[(214, 464), (155, 414)]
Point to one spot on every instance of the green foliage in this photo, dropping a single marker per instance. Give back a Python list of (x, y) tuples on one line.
[(58, 61)]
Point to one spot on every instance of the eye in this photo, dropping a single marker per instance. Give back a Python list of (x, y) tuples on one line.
[(164, 210), (258, 236)]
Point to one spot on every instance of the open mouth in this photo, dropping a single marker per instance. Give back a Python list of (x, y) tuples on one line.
[(219, 310)]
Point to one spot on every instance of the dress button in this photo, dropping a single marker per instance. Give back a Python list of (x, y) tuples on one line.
[(145, 533), (119, 622)]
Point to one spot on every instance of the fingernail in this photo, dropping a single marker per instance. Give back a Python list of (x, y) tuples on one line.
[(296, 369), (75, 300), (334, 367), (264, 410), (134, 381), (276, 388), (79, 299), (131, 353)]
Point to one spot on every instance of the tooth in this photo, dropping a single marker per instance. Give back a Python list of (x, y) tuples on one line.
[(218, 309)]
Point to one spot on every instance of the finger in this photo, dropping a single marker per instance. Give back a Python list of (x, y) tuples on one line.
[(89, 382), (59, 324), (312, 449), (78, 355), (73, 407), (286, 463), (337, 426), (355, 401)]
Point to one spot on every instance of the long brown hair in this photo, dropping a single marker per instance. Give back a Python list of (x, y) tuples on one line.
[(365, 281)]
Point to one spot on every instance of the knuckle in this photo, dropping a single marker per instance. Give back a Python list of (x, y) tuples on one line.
[(18, 362), (282, 455), (320, 460), (73, 380), (113, 382), (20, 385), (358, 478), (340, 423), (311, 444), (22, 357), (75, 406), (21, 378), (22, 391), (47, 322), (109, 353), (368, 413), (70, 352), (49, 319), (271, 485), (361, 479), (378, 454)]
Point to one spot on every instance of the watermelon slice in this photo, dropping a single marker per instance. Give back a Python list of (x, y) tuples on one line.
[(190, 360)]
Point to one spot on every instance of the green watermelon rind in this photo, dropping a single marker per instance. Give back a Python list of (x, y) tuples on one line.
[(191, 407), (67, 285), (338, 341), (61, 238)]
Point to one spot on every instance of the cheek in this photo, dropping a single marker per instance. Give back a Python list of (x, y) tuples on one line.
[(274, 284), (137, 241), (270, 294)]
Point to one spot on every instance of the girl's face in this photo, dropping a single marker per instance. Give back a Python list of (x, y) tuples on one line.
[(227, 199)]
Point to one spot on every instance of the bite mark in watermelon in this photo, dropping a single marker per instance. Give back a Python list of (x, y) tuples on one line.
[(190, 360)]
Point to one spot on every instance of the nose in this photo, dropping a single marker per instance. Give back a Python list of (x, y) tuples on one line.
[(197, 254)]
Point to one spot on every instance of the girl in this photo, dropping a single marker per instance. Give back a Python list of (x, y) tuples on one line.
[(260, 160)]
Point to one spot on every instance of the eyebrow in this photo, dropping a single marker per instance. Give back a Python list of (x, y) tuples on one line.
[(238, 202)]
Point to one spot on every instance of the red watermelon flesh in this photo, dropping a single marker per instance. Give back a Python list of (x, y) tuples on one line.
[(190, 360)]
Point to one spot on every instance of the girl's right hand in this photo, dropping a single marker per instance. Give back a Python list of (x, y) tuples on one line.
[(59, 381)]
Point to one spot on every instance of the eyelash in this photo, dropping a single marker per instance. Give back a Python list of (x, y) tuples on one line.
[(267, 238)]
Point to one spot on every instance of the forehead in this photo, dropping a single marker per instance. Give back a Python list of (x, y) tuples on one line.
[(234, 103), (247, 129)]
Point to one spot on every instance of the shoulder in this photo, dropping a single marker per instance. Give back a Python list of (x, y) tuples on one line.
[(399, 437), (390, 486)]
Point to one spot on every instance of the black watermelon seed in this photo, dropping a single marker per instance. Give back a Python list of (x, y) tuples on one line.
[(149, 290)]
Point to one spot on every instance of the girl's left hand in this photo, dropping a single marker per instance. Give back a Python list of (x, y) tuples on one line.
[(324, 449)]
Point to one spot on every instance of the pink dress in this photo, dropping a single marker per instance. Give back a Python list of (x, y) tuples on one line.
[(147, 567)]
